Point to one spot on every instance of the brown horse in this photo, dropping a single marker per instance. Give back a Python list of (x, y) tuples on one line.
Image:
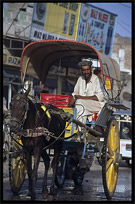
[(28, 115)]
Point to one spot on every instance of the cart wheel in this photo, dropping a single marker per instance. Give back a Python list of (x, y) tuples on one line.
[(17, 165), (60, 172), (110, 158)]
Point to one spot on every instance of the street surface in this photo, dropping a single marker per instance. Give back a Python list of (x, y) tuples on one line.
[(91, 189)]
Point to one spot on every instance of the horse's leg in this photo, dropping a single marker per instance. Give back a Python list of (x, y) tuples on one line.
[(29, 169), (46, 163), (37, 152), (54, 165)]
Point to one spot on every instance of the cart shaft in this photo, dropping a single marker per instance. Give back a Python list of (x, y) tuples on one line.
[(90, 130)]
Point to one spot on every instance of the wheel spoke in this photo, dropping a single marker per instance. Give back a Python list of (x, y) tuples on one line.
[(22, 170), (111, 178), (109, 156), (17, 176), (117, 149), (108, 164), (111, 139)]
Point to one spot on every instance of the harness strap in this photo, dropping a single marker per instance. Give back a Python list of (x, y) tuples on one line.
[(40, 131), (57, 138), (47, 112)]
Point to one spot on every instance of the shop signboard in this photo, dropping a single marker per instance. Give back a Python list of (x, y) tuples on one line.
[(97, 27), (13, 61), (73, 72), (55, 21), (61, 71)]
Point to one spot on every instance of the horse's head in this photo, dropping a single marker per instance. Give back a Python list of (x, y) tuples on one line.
[(18, 110)]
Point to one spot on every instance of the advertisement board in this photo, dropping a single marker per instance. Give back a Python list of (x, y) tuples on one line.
[(97, 27), (73, 72), (13, 61), (61, 71), (55, 21)]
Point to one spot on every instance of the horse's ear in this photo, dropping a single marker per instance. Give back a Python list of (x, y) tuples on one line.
[(28, 90)]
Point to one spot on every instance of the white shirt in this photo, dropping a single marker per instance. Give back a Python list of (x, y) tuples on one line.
[(93, 87)]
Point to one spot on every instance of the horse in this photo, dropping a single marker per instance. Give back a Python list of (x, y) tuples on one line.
[(29, 115)]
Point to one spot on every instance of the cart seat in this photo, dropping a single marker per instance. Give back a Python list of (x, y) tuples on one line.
[(72, 128)]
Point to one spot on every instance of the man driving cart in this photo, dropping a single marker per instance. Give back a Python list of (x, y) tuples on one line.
[(89, 95)]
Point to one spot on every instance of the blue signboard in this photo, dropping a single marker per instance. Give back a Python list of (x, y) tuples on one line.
[(97, 27)]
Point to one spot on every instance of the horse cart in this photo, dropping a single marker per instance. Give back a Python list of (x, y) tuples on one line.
[(99, 137)]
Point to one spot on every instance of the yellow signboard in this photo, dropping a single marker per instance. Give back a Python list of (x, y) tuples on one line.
[(62, 19), (55, 21)]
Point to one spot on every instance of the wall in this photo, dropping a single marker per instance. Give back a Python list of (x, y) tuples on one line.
[(126, 63), (123, 43)]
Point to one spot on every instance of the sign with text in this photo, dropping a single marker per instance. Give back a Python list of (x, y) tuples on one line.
[(55, 21), (73, 72), (61, 71), (97, 27), (13, 61)]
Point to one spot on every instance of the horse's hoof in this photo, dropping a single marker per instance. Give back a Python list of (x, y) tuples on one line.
[(45, 195), (53, 191), (29, 194), (50, 198), (33, 197)]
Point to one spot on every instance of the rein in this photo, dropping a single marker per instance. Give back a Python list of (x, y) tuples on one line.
[(57, 138)]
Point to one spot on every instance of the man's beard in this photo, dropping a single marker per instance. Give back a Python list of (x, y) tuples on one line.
[(88, 76)]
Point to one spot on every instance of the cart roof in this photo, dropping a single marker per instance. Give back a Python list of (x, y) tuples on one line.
[(39, 56)]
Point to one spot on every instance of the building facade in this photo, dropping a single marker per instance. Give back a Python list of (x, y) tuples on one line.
[(17, 18), (122, 50)]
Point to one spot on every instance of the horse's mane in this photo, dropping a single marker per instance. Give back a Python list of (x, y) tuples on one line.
[(34, 114)]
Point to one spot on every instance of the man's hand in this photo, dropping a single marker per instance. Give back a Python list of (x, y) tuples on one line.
[(86, 97), (72, 102), (73, 99), (78, 97)]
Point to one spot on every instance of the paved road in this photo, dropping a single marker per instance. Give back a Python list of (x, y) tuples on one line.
[(91, 189)]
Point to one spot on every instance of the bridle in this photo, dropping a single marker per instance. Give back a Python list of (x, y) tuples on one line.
[(14, 119)]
